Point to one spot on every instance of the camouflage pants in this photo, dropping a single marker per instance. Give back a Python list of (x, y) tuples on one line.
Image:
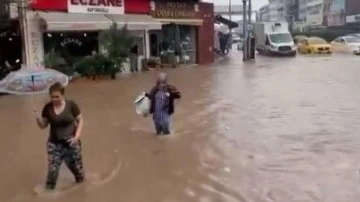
[(59, 152)]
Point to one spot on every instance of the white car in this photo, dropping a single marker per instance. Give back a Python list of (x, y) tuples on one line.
[(357, 35), (346, 44)]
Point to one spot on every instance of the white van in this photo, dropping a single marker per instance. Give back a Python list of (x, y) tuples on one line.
[(274, 38)]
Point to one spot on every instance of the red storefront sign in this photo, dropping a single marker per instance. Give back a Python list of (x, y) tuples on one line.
[(137, 6), (131, 6), (51, 5), (96, 6)]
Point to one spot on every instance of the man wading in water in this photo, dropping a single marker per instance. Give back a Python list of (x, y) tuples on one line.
[(162, 97)]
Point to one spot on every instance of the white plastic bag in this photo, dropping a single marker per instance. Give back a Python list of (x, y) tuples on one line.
[(142, 105)]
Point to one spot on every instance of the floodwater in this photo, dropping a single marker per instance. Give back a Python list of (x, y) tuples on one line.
[(276, 130)]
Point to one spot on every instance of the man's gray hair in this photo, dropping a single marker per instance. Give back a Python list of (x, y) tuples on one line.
[(162, 76)]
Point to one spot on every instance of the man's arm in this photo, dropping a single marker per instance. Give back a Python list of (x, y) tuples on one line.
[(175, 93), (151, 94)]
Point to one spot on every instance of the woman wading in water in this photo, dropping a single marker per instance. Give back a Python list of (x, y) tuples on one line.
[(65, 120)]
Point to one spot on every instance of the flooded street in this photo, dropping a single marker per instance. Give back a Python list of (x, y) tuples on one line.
[(276, 130)]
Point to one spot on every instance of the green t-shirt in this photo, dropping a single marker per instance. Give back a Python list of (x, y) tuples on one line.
[(63, 125)]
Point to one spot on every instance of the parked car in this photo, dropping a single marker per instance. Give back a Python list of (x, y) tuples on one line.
[(298, 38), (356, 35), (236, 38), (347, 44), (314, 45), (240, 45)]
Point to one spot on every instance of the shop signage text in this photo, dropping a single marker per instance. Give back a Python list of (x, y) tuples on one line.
[(174, 10), (67, 41), (35, 41), (96, 6), (353, 18)]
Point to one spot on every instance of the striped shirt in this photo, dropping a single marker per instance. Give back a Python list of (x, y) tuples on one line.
[(161, 107)]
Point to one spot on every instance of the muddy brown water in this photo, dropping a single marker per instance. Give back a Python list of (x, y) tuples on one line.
[(277, 130)]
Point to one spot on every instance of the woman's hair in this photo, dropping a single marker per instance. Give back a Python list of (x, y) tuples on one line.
[(57, 87)]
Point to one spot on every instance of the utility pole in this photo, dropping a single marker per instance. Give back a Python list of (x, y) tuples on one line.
[(230, 29), (230, 11), (245, 33), (22, 8), (249, 31)]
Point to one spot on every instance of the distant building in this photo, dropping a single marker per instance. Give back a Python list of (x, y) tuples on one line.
[(302, 12), (352, 8), (292, 10), (315, 10), (277, 10), (334, 12), (264, 13)]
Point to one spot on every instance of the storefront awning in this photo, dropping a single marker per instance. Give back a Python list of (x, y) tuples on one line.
[(57, 21), (136, 22), (192, 22)]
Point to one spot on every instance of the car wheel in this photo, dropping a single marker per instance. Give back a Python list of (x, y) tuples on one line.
[(309, 52)]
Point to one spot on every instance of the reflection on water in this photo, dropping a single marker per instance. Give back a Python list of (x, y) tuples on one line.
[(279, 129)]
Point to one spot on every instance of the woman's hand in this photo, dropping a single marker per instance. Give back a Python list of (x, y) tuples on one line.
[(73, 141), (36, 112)]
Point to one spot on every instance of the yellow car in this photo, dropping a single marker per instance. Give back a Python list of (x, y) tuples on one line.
[(314, 45)]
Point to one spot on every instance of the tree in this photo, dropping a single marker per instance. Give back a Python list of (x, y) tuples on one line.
[(117, 43)]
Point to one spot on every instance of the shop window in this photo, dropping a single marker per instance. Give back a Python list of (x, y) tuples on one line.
[(140, 46), (179, 43), (71, 47), (10, 48), (154, 45)]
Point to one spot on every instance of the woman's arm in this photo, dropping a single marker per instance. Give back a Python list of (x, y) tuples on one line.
[(79, 126), (75, 110), (42, 122)]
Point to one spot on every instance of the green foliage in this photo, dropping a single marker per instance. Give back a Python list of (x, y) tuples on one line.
[(53, 60), (94, 65), (117, 43)]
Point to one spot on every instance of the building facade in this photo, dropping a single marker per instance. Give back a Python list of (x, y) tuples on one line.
[(302, 10), (184, 25), (315, 10), (264, 13), (334, 12), (72, 28), (278, 10), (292, 10), (352, 8)]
